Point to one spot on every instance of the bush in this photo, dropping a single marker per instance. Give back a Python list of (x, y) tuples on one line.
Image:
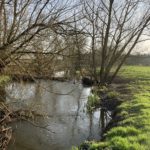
[(93, 102)]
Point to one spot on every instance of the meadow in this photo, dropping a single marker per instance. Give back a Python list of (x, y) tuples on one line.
[(132, 131)]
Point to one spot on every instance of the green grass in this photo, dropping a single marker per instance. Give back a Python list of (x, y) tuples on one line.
[(93, 101), (135, 72), (133, 130)]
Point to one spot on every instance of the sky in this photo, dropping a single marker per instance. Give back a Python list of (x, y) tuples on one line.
[(142, 47)]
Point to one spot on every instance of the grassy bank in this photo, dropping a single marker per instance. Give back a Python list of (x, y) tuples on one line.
[(132, 131)]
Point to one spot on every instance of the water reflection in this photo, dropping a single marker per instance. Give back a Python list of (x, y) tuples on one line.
[(67, 123)]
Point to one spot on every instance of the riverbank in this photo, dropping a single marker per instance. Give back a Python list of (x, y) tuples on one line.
[(130, 126)]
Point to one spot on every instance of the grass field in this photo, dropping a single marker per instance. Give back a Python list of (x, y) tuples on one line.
[(133, 130), (135, 72)]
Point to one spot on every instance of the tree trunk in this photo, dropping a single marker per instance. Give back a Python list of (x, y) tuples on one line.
[(105, 46)]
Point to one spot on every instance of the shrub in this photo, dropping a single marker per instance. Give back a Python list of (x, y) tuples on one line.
[(93, 102)]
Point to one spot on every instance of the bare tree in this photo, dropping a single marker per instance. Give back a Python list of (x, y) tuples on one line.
[(74, 47), (90, 11), (22, 20), (119, 27)]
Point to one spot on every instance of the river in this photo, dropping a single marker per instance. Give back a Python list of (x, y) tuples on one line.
[(63, 121)]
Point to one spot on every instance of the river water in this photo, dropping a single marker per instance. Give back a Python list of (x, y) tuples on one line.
[(63, 120)]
